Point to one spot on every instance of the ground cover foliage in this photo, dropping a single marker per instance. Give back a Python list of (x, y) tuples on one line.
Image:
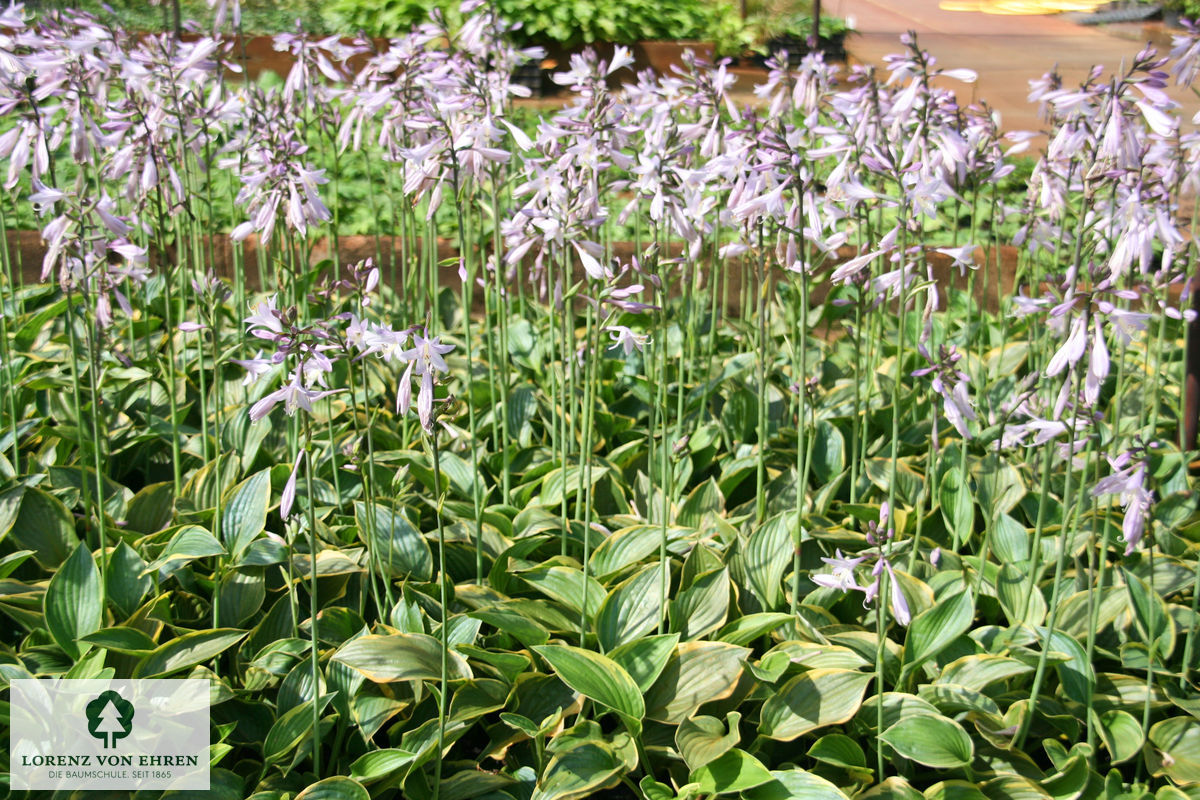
[(769, 508)]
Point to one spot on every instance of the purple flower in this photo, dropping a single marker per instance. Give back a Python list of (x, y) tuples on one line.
[(1128, 481), (841, 573), (626, 339), (289, 489)]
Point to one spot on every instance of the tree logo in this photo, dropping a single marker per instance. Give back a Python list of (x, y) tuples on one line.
[(110, 717)]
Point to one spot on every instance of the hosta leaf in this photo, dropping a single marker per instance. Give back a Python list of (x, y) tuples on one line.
[(828, 453), (1176, 751), (954, 790), (704, 499), (632, 609), (378, 764), (244, 515), (1122, 734), (1015, 594), (1010, 540), (597, 677), (1013, 787), (998, 484), (187, 651), (1070, 781), (72, 602), (812, 700), (469, 784), (567, 587), (289, 730), (934, 741), (957, 505), (1075, 672), (187, 544), (400, 657), (980, 671), (151, 508), (703, 606), (338, 787), (697, 673), (526, 631), (931, 631), (121, 640), (1154, 623), (645, 658), (894, 788), (241, 595), (626, 546), (702, 739), (125, 580), (744, 630), (398, 547), (580, 771), (839, 750), (789, 784), (43, 525), (735, 771), (767, 556)]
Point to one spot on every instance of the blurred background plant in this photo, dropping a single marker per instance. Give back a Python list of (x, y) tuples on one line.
[(734, 28)]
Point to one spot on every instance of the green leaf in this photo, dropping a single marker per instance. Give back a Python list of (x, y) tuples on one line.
[(581, 770), (828, 453), (625, 547), (790, 784), (125, 580), (1122, 734), (338, 787), (934, 741), (767, 556), (290, 730), (72, 602), (376, 765), (241, 595), (734, 771), (187, 651), (703, 606), (597, 677), (43, 525), (187, 544), (1154, 623), (632, 609), (151, 508), (704, 499), (997, 483), (702, 739), (121, 640), (1176, 752), (566, 586), (931, 631), (526, 631), (645, 658), (400, 657), (695, 674), (1014, 592), (980, 671), (744, 630), (812, 700), (958, 508), (398, 547), (245, 513), (839, 750)]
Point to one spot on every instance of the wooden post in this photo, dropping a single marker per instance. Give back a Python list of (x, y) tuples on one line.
[(1191, 406)]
